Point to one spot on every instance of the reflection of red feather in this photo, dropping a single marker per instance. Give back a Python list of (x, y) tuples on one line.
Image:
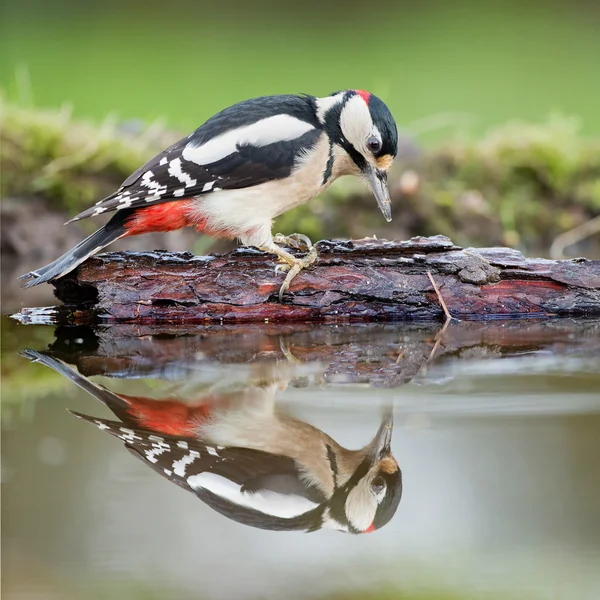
[(167, 416)]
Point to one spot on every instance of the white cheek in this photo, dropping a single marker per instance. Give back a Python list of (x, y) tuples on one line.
[(356, 123), (358, 127), (361, 506)]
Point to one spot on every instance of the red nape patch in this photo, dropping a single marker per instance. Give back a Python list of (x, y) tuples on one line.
[(167, 216), (167, 416), (364, 95), (370, 529)]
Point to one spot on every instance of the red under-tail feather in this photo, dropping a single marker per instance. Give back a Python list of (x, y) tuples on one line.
[(169, 416)]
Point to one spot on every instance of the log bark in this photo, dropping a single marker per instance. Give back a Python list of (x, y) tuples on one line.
[(356, 280)]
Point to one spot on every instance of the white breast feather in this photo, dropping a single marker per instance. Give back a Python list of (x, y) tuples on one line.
[(248, 213)]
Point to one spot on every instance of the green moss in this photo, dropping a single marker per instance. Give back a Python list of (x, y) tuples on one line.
[(69, 162), (536, 179)]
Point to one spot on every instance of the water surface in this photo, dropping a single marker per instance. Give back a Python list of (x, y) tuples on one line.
[(496, 431)]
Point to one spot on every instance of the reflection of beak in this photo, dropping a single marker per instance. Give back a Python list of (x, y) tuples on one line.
[(378, 181), (382, 442)]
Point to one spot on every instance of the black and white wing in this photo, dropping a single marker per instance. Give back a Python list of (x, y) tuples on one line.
[(248, 486), (244, 145)]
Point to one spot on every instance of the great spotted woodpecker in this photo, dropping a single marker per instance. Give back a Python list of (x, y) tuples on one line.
[(243, 167), (251, 463)]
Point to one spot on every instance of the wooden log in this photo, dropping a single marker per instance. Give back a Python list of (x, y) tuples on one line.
[(359, 280), (378, 354)]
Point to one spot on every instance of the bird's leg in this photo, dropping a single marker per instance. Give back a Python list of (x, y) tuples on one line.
[(293, 264)]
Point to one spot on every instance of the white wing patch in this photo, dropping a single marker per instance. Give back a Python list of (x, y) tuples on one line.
[(280, 128), (128, 435), (175, 171), (180, 465), (271, 503), (154, 187), (154, 452)]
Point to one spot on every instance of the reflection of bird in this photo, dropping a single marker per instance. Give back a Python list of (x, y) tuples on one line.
[(251, 464), (243, 167)]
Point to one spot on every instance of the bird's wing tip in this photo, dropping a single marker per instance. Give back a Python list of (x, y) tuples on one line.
[(29, 275), (79, 415), (34, 282), (32, 355), (32, 276)]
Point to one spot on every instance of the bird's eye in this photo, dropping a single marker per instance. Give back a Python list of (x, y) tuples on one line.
[(374, 145), (378, 484)]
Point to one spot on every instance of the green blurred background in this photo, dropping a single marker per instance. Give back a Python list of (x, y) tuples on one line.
[(184, 60)]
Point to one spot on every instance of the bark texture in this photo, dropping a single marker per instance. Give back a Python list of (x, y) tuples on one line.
[(358, 280)]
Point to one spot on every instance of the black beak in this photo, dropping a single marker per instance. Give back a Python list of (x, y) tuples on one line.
[(381, 445), (378, 182)]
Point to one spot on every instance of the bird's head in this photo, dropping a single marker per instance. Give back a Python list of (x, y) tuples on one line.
[(370, 497), (362, 125)]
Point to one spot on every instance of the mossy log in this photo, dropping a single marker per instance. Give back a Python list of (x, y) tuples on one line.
[(357, 280)]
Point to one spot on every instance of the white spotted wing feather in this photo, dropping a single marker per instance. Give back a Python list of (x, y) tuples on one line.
[(245, 145), (254, 487)]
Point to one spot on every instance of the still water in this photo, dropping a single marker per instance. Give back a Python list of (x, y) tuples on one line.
[(496, 432)]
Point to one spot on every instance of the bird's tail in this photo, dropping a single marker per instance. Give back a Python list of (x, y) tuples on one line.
[(118, 405), (169, 416), (112, 231)]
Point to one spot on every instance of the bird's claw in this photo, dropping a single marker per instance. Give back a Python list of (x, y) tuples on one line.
[(295, 268), (281, 268), (298, 241)]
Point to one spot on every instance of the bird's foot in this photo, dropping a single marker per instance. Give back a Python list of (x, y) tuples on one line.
[(291, 264), (295, 268), (298, 241)]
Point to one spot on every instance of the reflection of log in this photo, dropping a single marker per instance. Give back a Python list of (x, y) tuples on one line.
[(379, 354), (358, 280)]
